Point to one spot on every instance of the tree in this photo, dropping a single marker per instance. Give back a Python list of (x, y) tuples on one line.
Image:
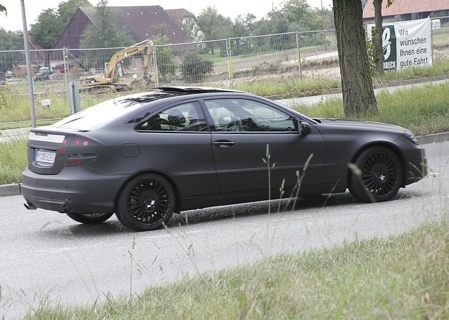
[(2, 8), (278, 23), (241, 29), (301, 17), (66, 10), (261, 27), (104, 31), (357, 84), (11, 41), (161, 29), (47, 30), (51, 22), (294, 9), (379, 29), (214, 25), (166, 59), (242, 26)]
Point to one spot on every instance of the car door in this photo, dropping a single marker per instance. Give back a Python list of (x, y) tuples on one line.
[(178, 144), (256, 145)]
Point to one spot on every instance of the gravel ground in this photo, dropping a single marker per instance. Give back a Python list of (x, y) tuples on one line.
[(321, 68)]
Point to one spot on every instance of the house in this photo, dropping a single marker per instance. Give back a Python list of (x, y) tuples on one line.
[(142, 22), (402, 10), (188, 22), (38, 55)]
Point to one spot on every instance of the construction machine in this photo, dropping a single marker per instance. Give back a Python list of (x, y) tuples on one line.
[(112, 79), (43, 74)]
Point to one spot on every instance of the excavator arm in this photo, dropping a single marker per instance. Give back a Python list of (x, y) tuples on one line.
[(119, 56), (110, 78)]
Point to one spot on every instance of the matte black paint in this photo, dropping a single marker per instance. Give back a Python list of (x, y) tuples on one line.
[(205, 168)]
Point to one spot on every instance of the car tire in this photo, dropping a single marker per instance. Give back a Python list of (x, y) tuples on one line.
[(146, 203), (94, 218), (377, 176)]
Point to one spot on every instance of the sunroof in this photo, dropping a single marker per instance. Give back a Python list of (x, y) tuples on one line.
[(187, 90)]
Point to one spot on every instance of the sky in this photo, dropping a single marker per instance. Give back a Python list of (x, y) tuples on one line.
[(229, 8)]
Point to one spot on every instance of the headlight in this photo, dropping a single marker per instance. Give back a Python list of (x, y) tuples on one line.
[(411, 137)]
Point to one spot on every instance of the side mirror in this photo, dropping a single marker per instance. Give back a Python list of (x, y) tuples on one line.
[(304, 128)]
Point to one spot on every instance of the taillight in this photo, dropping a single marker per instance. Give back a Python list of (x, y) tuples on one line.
[(79, 151), (83, 143), (79, 159)]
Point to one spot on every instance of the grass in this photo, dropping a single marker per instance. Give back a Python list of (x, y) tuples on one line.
[(13, 160), (399, 277), (439, 67), (290, 88), (17, 114), (423, 110)]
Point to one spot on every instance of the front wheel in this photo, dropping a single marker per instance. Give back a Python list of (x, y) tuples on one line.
[(379, 176), (146, 203), (94, 218)]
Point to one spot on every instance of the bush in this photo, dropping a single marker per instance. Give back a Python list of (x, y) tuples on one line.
[(194, 67)]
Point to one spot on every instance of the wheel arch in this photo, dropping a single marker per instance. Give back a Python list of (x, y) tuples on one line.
[(163, 175), (387, 145)]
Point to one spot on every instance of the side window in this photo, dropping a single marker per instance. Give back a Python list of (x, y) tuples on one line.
[(247, 115), (184, 117)]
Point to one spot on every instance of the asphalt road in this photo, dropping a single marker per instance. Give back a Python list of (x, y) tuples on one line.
[(45, 256)]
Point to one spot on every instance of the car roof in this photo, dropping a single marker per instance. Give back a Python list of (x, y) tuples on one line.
[(110, 109)]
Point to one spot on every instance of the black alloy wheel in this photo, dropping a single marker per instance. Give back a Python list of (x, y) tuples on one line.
[(146, 203), (94, 218), (380, 175)]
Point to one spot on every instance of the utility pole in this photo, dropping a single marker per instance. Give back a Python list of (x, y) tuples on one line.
[(27, 55)]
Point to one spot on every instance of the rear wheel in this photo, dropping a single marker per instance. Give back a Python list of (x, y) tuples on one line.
[(146, 203), (380, 175), (93, 218)]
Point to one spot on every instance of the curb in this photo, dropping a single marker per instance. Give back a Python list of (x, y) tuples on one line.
[(10, 190), (432, 138), (14, 189)]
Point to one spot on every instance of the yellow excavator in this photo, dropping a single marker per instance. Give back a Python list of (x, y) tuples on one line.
[(111, 80)]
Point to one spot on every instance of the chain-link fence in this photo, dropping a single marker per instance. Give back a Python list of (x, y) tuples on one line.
[(218, 62)]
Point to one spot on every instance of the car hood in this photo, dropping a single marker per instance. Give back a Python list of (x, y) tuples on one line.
[(360, 125)]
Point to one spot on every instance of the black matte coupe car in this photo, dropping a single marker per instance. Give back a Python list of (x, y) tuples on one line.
[(145, 156)]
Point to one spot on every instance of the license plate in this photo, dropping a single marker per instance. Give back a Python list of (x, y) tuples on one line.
[(45, 156)]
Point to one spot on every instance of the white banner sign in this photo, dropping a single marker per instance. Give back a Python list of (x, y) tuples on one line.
[(406, 44)]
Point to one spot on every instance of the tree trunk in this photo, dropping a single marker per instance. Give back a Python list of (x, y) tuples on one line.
[(379, 31), (356, 81)]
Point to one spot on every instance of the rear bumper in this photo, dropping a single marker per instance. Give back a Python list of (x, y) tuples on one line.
[(63, 193)]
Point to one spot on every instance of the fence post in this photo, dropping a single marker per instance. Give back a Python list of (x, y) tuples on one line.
[(66, 76), (299, 55), (156, 73), (28, 62), (229, 56), (74, 97)]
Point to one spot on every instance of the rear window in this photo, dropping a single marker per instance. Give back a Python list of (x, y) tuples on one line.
[(107, 111)]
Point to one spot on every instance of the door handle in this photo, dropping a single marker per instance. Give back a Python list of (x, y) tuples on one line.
[(223, 143)]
